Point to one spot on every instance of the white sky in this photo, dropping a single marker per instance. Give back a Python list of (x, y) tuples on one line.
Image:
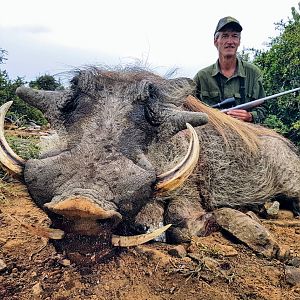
[(54, 36)]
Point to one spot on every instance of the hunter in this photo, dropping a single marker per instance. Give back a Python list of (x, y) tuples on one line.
[(230, 76)]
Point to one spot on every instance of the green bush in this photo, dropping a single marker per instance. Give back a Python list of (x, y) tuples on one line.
[(280, 66), (20, 112)]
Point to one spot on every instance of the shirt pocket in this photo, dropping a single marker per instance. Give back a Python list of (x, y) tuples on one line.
[(210, 97), (252, 93)]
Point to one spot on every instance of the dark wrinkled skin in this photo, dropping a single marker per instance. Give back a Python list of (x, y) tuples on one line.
[(110, 124), (118, 130)]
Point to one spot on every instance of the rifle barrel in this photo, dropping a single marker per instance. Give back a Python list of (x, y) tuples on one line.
[(260, 101)]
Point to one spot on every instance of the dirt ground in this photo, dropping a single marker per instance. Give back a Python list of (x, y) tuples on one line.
[(214, 267), (77, 267)]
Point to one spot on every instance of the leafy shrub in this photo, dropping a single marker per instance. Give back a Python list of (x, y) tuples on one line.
[(281, 72)]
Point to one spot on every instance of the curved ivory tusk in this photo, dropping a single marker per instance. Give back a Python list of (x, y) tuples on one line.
[(127, 241), (174, 178), (8, 157)]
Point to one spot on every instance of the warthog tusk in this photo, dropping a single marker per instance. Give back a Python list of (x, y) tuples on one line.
[(135, 240), (8, 158), (174, 178)]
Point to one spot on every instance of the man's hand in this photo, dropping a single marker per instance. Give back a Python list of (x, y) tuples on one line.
[(241, 114)]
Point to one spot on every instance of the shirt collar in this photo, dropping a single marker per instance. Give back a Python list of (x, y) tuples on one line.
[(240, 69), (215, 69)]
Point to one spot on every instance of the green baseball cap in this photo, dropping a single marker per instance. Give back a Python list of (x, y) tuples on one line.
[(234, 23)]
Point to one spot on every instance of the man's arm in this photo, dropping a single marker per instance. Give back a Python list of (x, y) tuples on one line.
[(198, 86)]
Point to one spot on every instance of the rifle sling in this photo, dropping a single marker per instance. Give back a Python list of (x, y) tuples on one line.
[(220, 83)]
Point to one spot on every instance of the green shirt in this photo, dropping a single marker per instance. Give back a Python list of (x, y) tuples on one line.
[(212, 87)]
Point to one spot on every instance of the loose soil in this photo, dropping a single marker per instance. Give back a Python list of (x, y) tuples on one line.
[(37, 268), (34, 267)]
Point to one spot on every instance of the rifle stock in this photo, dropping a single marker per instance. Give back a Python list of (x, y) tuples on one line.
[(254, 103)]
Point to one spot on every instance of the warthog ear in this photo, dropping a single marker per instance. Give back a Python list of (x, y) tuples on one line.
[(164, 101), (171, 118), (86, 81), (168, 91)]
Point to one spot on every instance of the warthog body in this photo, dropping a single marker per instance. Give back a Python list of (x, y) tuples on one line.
[(119, 129)]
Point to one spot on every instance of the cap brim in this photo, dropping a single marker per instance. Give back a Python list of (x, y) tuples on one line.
[(233, 25)]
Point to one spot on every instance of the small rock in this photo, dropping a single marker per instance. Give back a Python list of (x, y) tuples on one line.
[(247, 230), (66, 262), (3, 265), (33, 126), (178, 251), (292, 275), (37, 289), (297, 230), (272, 208)]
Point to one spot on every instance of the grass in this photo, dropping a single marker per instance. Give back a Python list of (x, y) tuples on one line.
[(26, 147)]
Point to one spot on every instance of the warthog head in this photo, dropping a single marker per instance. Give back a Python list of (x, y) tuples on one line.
[(111, 159)]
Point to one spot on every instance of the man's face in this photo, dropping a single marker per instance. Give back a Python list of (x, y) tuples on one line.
[(227, 42)]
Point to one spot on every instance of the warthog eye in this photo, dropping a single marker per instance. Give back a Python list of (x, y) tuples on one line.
[(70, 105)]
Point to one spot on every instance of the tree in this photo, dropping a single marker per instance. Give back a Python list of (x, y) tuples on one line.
[(280, 65), (45, 82), (20, 111), (3, 54)]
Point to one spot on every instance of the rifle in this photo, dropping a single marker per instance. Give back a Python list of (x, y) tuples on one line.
[(225, 103), (254, 103)]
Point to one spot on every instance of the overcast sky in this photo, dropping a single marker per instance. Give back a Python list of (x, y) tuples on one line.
[(49, 37)]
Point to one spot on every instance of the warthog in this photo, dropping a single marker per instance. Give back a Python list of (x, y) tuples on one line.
[(134, 148)]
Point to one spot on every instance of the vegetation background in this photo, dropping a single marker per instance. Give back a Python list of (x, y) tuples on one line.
[(279, 64)]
